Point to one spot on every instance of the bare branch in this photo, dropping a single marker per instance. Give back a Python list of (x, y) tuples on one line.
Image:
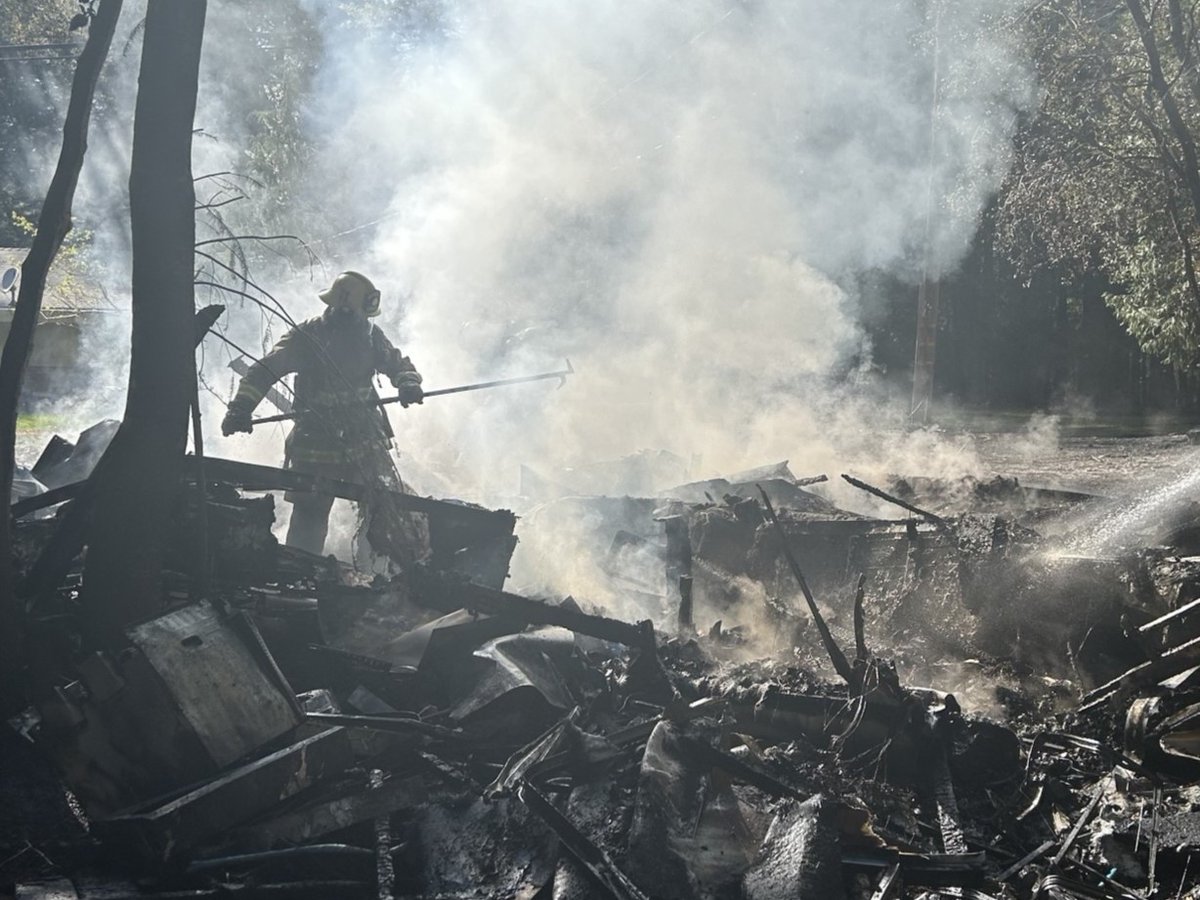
[(1191, 162), (218, 203), (282, 311)]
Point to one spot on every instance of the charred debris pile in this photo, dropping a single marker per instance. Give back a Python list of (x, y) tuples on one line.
[(789, 728)]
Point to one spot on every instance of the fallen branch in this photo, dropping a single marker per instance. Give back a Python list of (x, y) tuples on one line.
[(883, 495), (840, 664), (891, 885), (1041, 850), (811, 479), (1169, 663), (594, 861), (1167, 618), (390, 724), (741, 770), (861, 653), (450, 594)]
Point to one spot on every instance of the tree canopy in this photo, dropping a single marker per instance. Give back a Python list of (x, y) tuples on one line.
[(1106, 177)]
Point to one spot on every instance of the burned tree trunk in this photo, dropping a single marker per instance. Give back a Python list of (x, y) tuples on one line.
[(53, 225), (139, 475)]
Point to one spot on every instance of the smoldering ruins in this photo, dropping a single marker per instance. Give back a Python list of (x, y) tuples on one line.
[(300, 730), (732, 612)]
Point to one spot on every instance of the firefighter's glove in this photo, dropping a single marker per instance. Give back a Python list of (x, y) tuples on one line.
[(409, 392), (236, 419)]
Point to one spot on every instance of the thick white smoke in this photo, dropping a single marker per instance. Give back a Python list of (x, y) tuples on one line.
[(671, 195), (677, 197)]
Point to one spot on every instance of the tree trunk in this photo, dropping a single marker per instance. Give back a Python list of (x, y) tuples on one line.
[(52, 227), (141, 471), (1158, 82), (1183, 42), (1188, 258)]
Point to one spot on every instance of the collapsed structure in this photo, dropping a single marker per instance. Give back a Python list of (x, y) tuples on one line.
[(790, 728)]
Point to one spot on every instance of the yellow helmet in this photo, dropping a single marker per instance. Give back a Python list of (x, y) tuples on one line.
[(352, 290)]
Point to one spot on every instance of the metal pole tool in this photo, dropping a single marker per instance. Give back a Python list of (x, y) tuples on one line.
[(561, 375)]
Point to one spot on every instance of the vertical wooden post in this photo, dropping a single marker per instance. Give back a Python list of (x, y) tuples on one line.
[(928, 296), (929, 293)]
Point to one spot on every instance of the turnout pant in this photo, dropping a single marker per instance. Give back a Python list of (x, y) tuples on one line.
[(310, 510), (407, 538), (310, 521)]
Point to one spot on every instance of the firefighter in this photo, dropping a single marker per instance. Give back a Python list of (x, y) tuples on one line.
[(339, 426)]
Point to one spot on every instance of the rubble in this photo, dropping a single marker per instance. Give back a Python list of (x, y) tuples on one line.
[(764, 729)]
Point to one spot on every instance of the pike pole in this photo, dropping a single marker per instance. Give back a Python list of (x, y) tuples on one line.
[(561, 375)]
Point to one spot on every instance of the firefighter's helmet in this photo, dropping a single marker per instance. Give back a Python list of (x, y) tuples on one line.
[(352, 290)]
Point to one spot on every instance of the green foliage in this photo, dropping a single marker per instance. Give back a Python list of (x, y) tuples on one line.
[(289, 40), (29, 100), (285, 51), (1155, 302), (74, 273), (36, 21), (1101, 179)]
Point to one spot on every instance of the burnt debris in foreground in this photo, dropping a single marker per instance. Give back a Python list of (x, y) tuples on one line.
[(292, 730)]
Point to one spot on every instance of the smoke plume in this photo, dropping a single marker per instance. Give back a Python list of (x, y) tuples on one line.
[(678, 198), (673, 196)]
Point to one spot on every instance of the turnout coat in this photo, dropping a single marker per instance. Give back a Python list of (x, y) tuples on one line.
[(335, 358)]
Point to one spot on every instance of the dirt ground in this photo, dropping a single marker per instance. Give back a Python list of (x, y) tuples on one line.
[(1101, 465)]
